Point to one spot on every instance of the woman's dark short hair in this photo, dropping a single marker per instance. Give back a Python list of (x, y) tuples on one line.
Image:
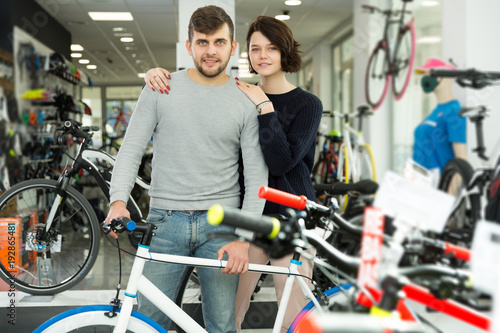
[(280, 35), (208, 20)]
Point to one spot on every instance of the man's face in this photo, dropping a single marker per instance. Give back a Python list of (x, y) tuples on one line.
[(211, 53)]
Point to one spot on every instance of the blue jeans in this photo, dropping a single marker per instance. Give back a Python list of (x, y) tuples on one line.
[(185, 233)]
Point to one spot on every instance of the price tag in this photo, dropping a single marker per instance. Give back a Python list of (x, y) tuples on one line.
[(371, 249), (418, 174), (419, 206)]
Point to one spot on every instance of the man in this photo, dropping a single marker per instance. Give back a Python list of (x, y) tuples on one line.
[(197, 131)]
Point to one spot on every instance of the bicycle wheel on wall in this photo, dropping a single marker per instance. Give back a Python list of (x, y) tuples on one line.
[(93, 319), (71, 247), (377, 76), (404, 56), (454, 179)]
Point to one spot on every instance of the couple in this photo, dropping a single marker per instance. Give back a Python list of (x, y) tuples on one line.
[(198, 129)]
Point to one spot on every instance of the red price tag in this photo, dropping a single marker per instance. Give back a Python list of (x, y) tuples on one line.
[(371, 251)]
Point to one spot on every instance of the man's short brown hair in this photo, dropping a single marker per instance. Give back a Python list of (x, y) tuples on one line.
[(208, 20)]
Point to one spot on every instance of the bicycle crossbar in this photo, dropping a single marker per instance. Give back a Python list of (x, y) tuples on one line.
[(202, 262)]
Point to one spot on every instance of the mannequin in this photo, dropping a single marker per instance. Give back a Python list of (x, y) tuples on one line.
[(441, 136)]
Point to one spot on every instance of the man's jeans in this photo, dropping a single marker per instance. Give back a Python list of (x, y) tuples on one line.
[(185, 233)]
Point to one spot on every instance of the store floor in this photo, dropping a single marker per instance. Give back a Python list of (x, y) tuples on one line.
[(100, 286)]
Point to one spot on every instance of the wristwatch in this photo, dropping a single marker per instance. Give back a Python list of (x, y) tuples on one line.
[(261, 105)]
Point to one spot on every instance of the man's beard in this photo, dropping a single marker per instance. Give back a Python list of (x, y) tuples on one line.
[(220, 69)]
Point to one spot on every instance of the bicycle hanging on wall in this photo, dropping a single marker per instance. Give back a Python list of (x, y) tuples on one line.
[(392, 58)]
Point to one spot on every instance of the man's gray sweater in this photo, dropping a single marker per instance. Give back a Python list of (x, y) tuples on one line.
[(197, 131)]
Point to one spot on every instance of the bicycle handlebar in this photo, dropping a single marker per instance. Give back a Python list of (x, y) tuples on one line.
[(283, 198), (75, 128), (268, 226), (470, 78)]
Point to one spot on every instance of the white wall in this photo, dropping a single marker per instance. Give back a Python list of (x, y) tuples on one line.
[(470, 36)]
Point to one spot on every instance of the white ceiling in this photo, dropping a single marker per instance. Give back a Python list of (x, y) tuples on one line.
[(155, 30)]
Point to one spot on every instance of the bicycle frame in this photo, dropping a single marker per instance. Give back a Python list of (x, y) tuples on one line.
[(138, 282), (351, 147), (388, 22)]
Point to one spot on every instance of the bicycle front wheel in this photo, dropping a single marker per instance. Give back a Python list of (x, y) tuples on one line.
[(334, 294), (93, 319), (404, 56), (377, 77), (40, 261), (457, 173)]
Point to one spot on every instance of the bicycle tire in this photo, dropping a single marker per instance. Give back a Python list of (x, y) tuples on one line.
[(27, 205), (457, 173), (404, 56), (377, 76), (93, 317), (366, 160)]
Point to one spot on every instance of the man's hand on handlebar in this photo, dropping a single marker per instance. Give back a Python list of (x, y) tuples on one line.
[(117, 210)]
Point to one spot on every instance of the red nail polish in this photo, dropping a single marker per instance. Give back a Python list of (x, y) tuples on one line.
[(168, 87), (169, 77), (237, 78), (237, 83), (161, 91), (153, 89)]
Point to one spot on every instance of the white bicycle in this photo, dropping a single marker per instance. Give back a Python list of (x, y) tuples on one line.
[(102, 318)]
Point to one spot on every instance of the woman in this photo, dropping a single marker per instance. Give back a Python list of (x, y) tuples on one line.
[(289, 119)]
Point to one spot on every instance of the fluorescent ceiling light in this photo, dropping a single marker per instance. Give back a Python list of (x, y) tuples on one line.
[(293, 2), (283, 17), (111, 16), (429, 40), (429, 3), (118, 29), (84, 61), (126, 39), (91, 66), (243, 55), (141, 75), (76, 47), (243, 61), (76, 55)]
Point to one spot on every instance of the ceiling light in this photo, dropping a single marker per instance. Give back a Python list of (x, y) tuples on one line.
[(242, 61), (76, 47), (141, 75), (118, 29), (84, 61), (293, 2), (429, 40), (429, 3), (76, 55), (284, 16), (126, 39), (111, 16), (91, 66), (243, 55)]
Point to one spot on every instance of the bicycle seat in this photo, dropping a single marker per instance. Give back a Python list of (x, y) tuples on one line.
[(365, 186), (473, 111), (364, 110)]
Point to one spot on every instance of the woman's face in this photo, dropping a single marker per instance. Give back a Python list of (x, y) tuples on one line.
[(264, 56)]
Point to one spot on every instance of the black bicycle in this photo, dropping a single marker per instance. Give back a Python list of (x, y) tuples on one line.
[(48, 230)]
